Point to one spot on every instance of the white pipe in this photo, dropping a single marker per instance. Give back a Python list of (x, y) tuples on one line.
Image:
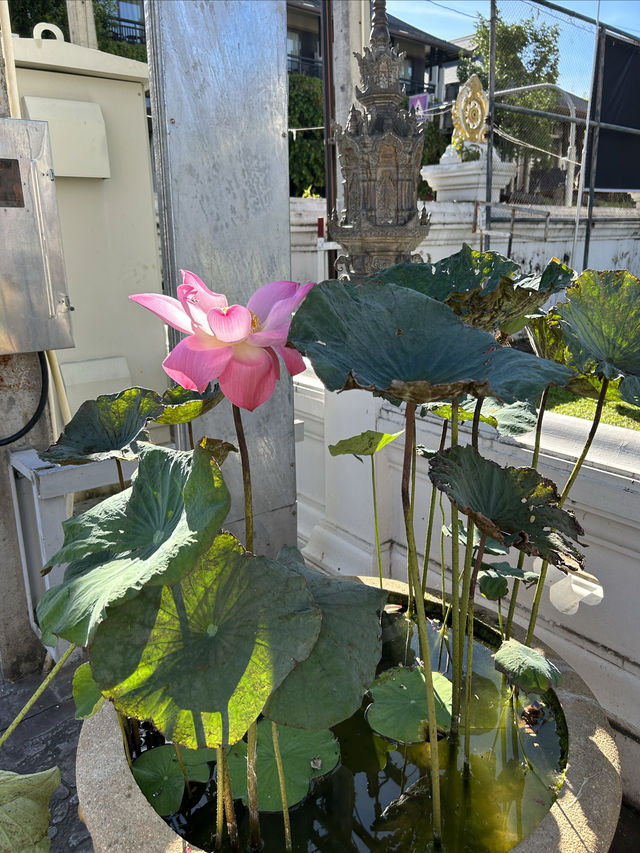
[(9, 60)]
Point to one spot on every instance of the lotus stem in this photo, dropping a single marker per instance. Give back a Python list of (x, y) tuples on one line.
[(246, 478), (283, 790), (219, 800), (469, 673), (534, 464), (32, 701), (120, 475), (445, 611), (432, 510), (255, 841), (458, 639), (375, 517), (183, 768), (565, 492), (190, 429), (227, 797), (475, 428), (464, 603), (425, 651)]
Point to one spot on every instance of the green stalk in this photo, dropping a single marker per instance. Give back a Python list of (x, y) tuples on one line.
[(563, 497), (469, 673), (219, 800), (375, 517), (252, 734), (32, 701), (534, 464), (227, 796), (442, 570), (432, 509), (458, 639), (183, 768), (283, 790), (412, 567), (464, 605)]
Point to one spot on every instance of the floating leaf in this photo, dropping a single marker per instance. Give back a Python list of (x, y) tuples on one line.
[(86, 694), (399, 710), (525, 668), (305, 756), (492, 579), (343, 661), (202, 661), (397, 342), (365, 444), (24, 810), (516, 506), (150, 533), (160, 777), (105, 428), (182, 405), (484, 288)]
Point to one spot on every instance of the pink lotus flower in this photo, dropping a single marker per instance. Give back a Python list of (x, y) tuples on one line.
[(230, 343)]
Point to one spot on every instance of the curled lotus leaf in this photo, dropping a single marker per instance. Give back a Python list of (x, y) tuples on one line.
[(491, 546), (365, 444), (108, 427), (24, 810), (182, 406), (526, 668), (152, 533), (343, 661), (305, 756), (493, 579), (248, 620), (516, 506), (485, 289), (397, 342)]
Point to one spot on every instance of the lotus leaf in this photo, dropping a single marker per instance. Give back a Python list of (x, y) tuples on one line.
[(491, 546), (305, 756), (202, 661), (365, 444), (160, 777), (526, 668), (399, 708), (492, 579), (105, 428), (151, 533), (516, 506), (342, 663), (86, 695), (24, 810), (485, 289), (508, 419), (182, 405), (398, 342)]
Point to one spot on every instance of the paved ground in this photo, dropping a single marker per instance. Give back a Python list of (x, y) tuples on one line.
[(49, 735)]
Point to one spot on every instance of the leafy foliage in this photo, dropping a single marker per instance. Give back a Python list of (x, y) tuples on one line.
[(86, 694), (24, 810), (306, 151), (492, 579), (399, 709), (366, 443), (160, 777), (525, 668)]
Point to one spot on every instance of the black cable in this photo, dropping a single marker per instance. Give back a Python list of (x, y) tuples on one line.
[(42, 402)]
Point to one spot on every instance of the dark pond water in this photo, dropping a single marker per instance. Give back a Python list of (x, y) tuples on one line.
[(378, 799)]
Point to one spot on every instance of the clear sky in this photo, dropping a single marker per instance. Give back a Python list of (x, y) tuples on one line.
[(450, 19)]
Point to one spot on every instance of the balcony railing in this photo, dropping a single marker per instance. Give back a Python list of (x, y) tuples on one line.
[(304, 65), (412, 87), (123, 29)]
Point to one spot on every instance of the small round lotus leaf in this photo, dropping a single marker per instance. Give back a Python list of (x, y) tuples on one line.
[(516, 506), (151, 533), (305, 755), (202, 660), (160, 777), (526, 668), (399, 709)]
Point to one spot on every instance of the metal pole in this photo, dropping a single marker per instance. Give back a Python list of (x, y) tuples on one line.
[(326, 36), (594, 147), (490, 117)]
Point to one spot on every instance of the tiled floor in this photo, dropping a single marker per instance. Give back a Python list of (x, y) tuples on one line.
[(49, 735)]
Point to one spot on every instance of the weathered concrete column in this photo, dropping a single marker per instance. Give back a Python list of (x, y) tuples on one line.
[(82, 26)]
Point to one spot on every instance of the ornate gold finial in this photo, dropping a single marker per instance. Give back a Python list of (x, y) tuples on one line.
[(469, 112)]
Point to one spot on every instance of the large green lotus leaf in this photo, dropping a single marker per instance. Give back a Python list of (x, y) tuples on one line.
[(305, 756), (182, 405), (342, 663), (151, 533), (400, 343), (508, 419), (86, 695), (365, 444), (516, 506), (105, 428), (601, 327), (485, 289), (160, 777), (202, 662), (492, 579), (24, 810), (525, 668), (399, 710)]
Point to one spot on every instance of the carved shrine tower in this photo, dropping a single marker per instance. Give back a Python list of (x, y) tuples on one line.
[(380, 155)]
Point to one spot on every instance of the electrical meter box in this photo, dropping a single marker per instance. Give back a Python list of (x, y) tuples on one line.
[(35, 310)]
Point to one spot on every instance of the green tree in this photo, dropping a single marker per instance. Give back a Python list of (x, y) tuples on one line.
[(306, 151), (527, 53), (435, 142)]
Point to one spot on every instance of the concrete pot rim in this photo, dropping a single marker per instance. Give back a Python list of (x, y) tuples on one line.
[(582, 820)]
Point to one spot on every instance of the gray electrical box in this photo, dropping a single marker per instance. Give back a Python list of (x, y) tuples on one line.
[(34, 305)]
